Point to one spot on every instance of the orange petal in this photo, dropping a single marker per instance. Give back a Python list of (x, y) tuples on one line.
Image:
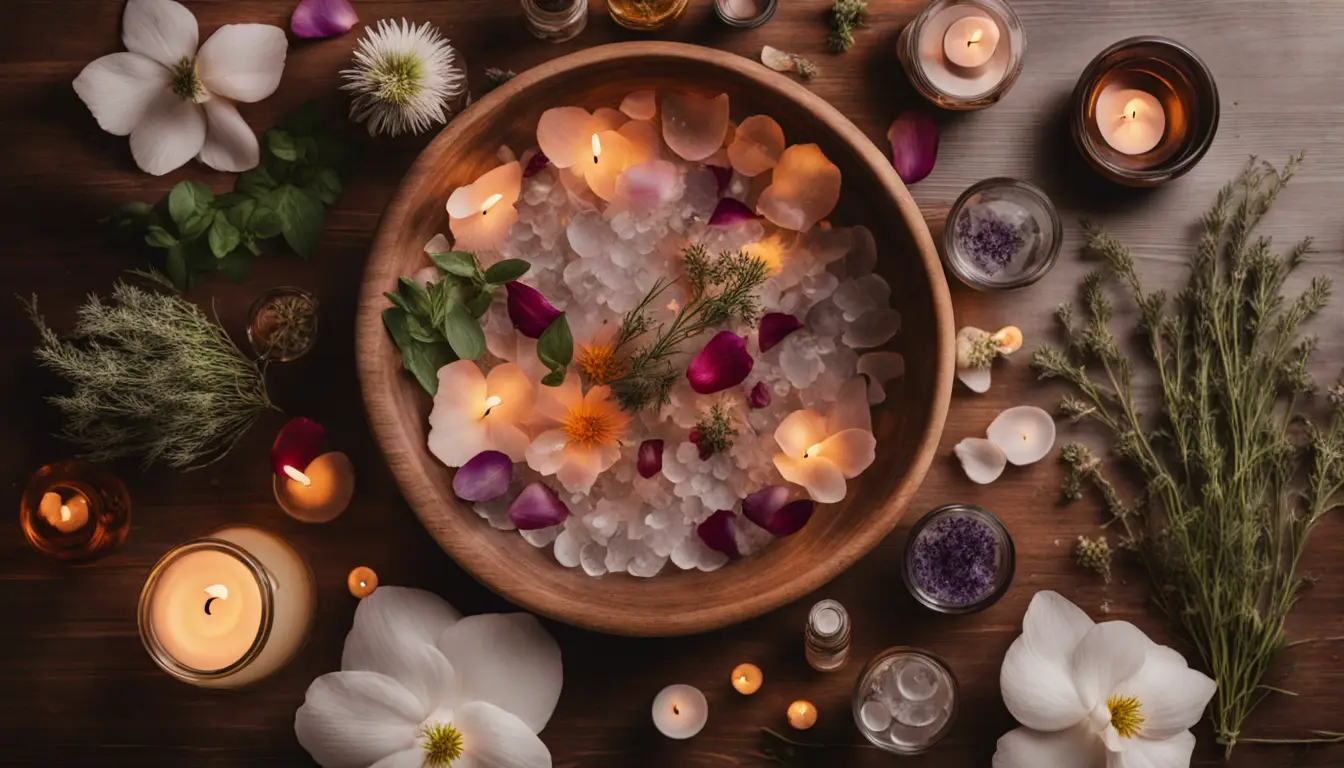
[(640, 105), (804, 189), (694, 126), (757, 145)]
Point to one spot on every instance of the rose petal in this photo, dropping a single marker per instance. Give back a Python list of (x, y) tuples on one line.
[(804, 188), (296, 445), (529, 311), (981, 459), (486, 476), (1025, 433), (650, 459), (759, 397), (538, 163), (645, 141), (640, 105), (722, 176), (694, 126), (322, 18), (717, 533), (537, 507), (774, 327), (729, 212), (724, 362), (914, 144), (757, 145), (770, 509)]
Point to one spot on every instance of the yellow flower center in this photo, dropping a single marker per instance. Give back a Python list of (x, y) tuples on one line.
[(589, 428), (442, 744), (1125, 717), (599, 364)]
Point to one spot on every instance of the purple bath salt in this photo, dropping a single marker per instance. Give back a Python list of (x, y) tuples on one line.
[(955, 560), (992, 234)]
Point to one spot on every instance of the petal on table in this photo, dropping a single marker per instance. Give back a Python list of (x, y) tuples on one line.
[(396, 615), (1109, 654), (230, 144), (494, 738), (509, 660), (119, 87), (243, 61), (170, 132), (823, 480), (163, 30), (1146, 753), (1074, 747), (976, 379), (799, 431), (1171, 695), (353, 719), (851, 451)]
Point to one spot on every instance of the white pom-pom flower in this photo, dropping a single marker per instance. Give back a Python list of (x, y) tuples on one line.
[(406, 79)]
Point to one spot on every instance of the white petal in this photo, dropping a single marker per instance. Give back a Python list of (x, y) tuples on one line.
[(230, 144), (163, 30), (493, 738), (455, 440), (851, 450), (438, 244), (410, 758), (851, 409), (395, 615), (243, 61), (1025, 433), (823, 480), (799, 431), (1111, 653), (420, 667), (170, 133), (1074, 747), (981, 460), (507, 659), (546, 454), (1145, 753), (976, 379), (119, 87), (1036, 678), (352, 719), (1054, 625), (1171, 695)]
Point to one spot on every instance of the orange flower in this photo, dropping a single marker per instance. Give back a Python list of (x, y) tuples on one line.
[(597, 357), (584, 437)]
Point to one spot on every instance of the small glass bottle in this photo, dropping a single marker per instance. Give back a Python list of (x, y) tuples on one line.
[(282, 324), (75, 511), (645, 15), (555, 20), (826, 638)]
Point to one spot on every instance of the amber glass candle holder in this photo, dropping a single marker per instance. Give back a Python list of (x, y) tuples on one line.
[(75, 511), (646, 15), (921, 49), (283, 323), (1179, 81)]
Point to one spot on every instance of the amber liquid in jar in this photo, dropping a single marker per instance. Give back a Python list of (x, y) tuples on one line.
[(645, 14)]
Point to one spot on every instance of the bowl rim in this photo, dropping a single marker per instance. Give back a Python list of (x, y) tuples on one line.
[(370, 342)]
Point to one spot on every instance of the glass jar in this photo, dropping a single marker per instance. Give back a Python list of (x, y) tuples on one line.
[(282, 324), (1001, 234), (921, 49), (958, 559), (905, 700), (75, 511), (646, 15), (745, 14), (555, 20)]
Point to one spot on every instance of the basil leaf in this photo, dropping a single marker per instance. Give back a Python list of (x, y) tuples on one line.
[(223, 237), (506, 271), (555, 349), (282, 145), (327, 185), (464, 333), (197, 224), (422, 360), (554, 378), (458, 263), (239, 214), (237, 265), (396, 300), (187, 201), (230, 200), (264, 222), (159, 237), (301, 217), (255, 183), (417, 298), (421, 330), (481, 304)]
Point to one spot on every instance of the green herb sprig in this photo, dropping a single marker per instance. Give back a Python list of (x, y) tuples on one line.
[(846, 16), (714, 429), (195, 233), (1234, 477)]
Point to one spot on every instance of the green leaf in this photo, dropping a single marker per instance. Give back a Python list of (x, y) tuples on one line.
[(396, 300), (282, 145), (458, 263), (327, 185), (224, 237), (255, 183), (506, 271), (188, 201), (417, 298), (421, 330), (555, 349), (264, 222), (481, 304), (159, 237), (230, 200), (237, 265), (422, 360), (175, 265), (198, 224), (464, 333), (301, 217), (239, 214)]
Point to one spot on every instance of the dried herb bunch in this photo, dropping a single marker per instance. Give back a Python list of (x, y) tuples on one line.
[(152, 377), (1234, 477)]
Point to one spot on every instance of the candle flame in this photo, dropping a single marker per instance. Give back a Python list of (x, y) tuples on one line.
[(674, 306), (298, 476), (65, 513), (1132, 108), (491, 402), (976, 37), (597, 148), (490, 203), (813, 451), (218, 591)]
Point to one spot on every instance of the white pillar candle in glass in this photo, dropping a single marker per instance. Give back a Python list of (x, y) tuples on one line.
[(228, 609), (680, 711), (1132, 121)]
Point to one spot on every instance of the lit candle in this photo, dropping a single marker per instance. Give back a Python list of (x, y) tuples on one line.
[(296, 445), (481, 213), (680, 711), (320, 493), (475, 412), (66, 515), (227, 610), (820, 452), (75, 511), (612, 154), (361, 582), (802, 715), (970, 41), (747, 679), (1130, 120)]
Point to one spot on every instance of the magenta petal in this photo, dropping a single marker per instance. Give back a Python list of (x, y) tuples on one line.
[(914, 144), (759, 397), (774, 327), (730, 211), (484, 477), (722, 176), (717, 533), (650, 459), (724, 362), (322, 18), (536, 165), (537, 507), (770, 509), (297, 444), (530, 312)]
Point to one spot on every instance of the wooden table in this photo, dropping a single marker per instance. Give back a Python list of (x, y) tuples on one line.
[(76, 688)]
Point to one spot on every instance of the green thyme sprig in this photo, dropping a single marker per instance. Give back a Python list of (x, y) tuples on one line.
[(714, 430), (846, 16)]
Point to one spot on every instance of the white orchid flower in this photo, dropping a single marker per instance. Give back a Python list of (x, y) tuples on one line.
[(176, 102), (421, 686), (1096, 695)]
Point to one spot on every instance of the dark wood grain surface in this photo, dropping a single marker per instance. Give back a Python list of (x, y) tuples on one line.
[(77, 689)]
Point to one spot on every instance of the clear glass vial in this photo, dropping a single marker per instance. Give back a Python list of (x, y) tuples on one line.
[(921, 51), (1001, 234), (905, 700), (555, 20), (826, 638)]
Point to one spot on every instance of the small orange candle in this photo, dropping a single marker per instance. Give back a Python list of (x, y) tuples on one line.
[(362, 581), (747, 679), (802, 715), (326, 494), (65, 515)]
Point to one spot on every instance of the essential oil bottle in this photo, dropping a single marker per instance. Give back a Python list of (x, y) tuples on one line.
[(826, 638)]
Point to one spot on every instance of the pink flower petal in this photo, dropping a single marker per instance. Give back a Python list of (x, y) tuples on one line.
[(759, 397), (537, 507), (774, 327), (717, 533), (529, 311), (485, 476), (724, 362), (536, 164), (722, 176), (650, 458), (771, 509), (914, 144), (322, 18), (730, 211), (297, 444)]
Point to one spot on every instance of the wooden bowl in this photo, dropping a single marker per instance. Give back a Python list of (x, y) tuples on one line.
[(675, 602)]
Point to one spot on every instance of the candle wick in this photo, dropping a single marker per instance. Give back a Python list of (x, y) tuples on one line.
[(676, 710), (208, 601)]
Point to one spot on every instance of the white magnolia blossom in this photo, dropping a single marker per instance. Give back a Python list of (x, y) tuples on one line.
[(421, 686), (1096, 695), (176, 102)]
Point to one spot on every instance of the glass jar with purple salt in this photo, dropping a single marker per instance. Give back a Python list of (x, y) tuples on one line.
[(1001, 234), (958, 559)]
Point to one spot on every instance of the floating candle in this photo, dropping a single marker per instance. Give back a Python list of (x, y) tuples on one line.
[(747, 679), (481, 213), (1132, 121), (963, 54), (320, 494), (361, 582), (680, 711), (970, 41), (66, 515), (821, 452), (802, 715)]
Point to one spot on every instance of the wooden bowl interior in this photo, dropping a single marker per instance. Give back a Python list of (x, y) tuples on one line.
[(907, 425)]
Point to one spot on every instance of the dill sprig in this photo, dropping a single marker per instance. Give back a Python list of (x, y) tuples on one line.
[(846, 16), (714, 431), (718, 289), (151, 377), (1234, 477)]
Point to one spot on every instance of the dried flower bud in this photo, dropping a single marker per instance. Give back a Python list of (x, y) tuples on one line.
[(1095, 555)]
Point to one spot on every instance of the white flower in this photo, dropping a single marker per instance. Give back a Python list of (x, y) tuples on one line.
[(1094, 695), (421, 686), (404, 78), (175, 102)]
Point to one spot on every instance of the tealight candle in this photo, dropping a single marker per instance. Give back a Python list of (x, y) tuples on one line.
[(75, 511), (321, 492), (970, 41), (611, 156), (361, 582), (747, 679), (820, 452), (680, 711), (1130, 120), (802, 715), (66, 515), (963, 54), (481, 213)]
